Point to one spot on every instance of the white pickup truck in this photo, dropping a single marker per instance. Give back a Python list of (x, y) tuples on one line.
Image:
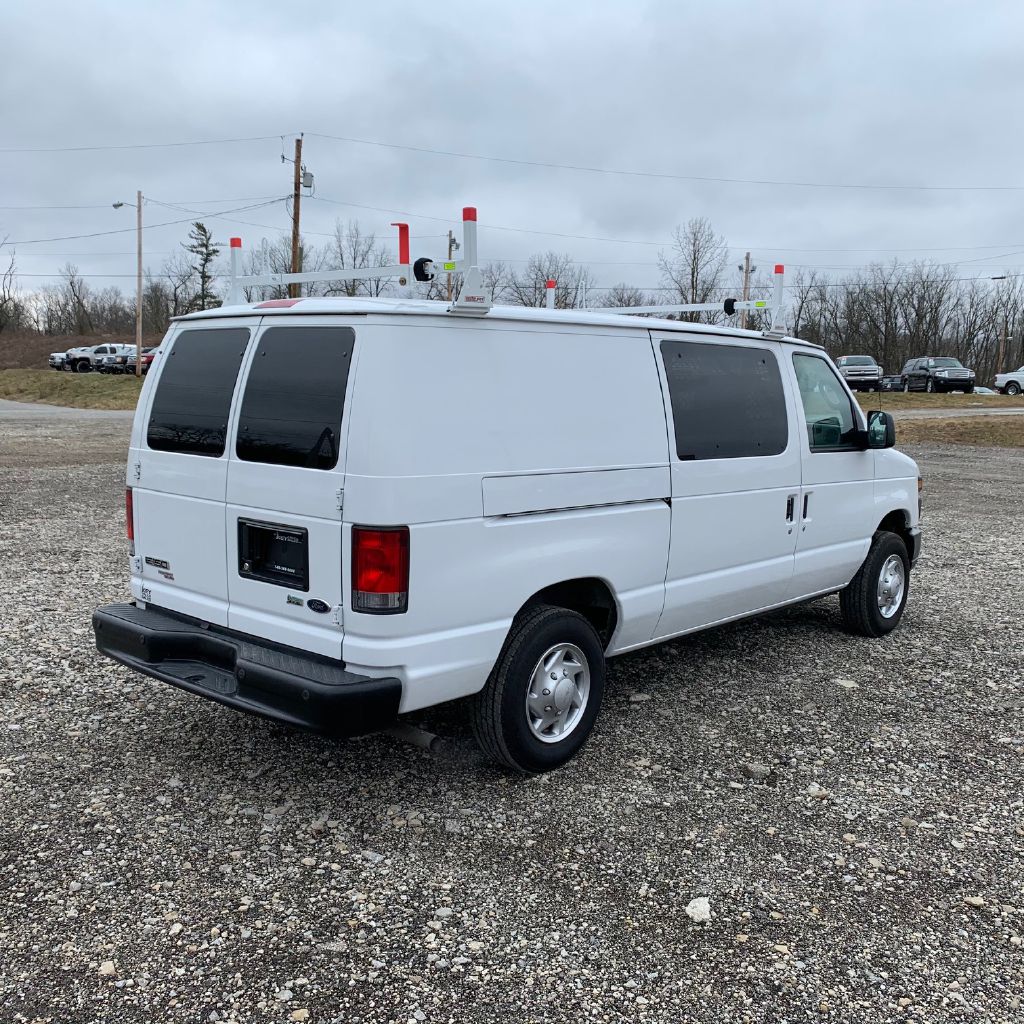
[(92, 357), (1011, 383)]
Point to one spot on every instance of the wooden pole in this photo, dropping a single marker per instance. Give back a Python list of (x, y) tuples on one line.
[(294, 289), (138, 284)]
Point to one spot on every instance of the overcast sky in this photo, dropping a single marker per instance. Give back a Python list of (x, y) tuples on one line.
[(863, 93)]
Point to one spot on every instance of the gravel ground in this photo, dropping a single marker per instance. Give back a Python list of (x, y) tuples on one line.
[(850, 810)]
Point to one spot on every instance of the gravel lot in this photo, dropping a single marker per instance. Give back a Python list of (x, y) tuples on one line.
[(851, 810)]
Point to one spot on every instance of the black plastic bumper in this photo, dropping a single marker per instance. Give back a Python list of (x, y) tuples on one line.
[(245, 672)]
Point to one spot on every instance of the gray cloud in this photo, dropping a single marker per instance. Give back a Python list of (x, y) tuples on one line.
[(868, 92)]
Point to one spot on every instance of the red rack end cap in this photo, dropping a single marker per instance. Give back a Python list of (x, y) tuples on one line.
[(469, 213), (236, 243), (550, 283), (779, 268)]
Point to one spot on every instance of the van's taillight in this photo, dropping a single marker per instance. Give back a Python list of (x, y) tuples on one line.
[(129, 520), (380, 569)]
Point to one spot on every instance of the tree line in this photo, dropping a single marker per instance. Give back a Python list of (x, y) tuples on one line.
[(892, 312)]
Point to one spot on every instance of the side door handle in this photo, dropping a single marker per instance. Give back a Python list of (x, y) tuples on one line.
[(807, 498), (790, 504)]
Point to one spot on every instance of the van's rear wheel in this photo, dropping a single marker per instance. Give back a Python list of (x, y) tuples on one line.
[(874, 602), (543, 695)]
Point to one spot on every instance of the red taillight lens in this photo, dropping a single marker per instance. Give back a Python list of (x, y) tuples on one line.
[(129, 519), (380, 569)]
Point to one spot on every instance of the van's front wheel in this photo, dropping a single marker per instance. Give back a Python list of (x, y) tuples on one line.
[(873, 604), (543, 695)]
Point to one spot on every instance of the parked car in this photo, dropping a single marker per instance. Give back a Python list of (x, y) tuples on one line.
[(937, 373), (56, 360), (892, 382), (979, 390), (862, 373), (1011, 383), (339, 510), (126, 363), (92, 357)]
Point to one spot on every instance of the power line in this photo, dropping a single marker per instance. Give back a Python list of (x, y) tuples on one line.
[(124, 231), (140, 145), (672, 177), (106, 206)]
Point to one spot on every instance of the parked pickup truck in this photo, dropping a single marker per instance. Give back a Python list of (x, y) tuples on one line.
[(56, 360), (862, 373), (1011, 383), (92, 357)]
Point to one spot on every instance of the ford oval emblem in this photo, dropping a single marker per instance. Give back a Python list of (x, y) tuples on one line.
[(318, 606)]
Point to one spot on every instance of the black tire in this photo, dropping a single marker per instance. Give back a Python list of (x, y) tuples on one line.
[(930, 386), (499, 715), (1013, 388), (906, 386), (858, 603), (969, 390)]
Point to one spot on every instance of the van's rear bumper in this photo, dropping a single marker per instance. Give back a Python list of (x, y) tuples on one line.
[(245, 672)]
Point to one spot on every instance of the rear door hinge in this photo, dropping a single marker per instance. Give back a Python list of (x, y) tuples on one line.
[(137, 468), (338, 615), (340, 496)]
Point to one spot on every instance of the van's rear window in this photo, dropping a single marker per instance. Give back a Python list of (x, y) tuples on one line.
[(193, 395), (727, 401), (295, 397)]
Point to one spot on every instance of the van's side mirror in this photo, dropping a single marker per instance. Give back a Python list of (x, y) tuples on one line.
[(881, 430)]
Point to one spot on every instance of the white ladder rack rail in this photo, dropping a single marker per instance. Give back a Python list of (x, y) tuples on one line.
[(473, 298), (728, 306)]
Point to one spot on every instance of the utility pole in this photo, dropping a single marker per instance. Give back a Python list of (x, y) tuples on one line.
[(1002, 347), (295, 289), (746, 288), (138, 284)]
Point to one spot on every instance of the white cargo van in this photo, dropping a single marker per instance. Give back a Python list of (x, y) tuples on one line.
[(342, 510)]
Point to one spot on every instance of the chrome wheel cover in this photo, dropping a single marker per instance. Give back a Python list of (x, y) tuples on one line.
[(558, 694), (892, 585)]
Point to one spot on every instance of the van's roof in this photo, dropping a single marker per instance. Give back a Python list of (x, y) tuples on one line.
[(389, 306)]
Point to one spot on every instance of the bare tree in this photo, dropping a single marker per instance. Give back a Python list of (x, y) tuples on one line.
[(693, 268), (76, 299), (627, 295), (9, 304), (528, 287)]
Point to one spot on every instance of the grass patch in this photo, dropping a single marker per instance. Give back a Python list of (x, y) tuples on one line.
[(77, 390), (984, 431), (922, 400)]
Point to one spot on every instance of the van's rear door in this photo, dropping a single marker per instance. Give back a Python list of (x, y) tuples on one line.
[(285, 485), (178, 464)]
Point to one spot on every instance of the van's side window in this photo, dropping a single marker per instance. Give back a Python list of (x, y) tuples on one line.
[(193, 395), (727, 401), (295, 396), (831, 422)]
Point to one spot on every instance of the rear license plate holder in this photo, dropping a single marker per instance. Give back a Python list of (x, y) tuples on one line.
[(275, 554)]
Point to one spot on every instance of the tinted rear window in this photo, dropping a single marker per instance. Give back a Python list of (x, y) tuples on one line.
[(193, 396), (295, 397), (727, 402)]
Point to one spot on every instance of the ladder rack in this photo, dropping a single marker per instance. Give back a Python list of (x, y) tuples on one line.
[(728, 306), (474, 299)]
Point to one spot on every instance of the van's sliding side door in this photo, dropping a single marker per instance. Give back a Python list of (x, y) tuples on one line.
[(735, 447)]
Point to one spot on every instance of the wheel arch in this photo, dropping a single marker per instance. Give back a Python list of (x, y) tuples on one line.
[(590, 596), (898, 521)]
